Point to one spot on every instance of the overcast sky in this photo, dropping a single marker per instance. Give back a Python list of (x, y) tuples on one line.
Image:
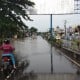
[(42, 22), (54, 6)]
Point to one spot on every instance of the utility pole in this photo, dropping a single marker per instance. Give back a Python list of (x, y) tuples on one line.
[(51, 36), (65, 21)]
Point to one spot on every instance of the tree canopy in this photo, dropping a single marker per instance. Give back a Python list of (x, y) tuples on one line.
[(11, 12), (33, 29)]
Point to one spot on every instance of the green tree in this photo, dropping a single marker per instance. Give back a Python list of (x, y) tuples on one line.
[(11, 12), (78, 27), (33, 30)]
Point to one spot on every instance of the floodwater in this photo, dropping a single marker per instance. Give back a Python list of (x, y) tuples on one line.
[(38, 52)]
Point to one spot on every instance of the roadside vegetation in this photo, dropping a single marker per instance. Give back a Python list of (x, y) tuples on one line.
[(11, 24), (59, 39)]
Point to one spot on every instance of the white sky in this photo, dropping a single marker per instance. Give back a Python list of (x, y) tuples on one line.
[(42, 22), (54, 6)]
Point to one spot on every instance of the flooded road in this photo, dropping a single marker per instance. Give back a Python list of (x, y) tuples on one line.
[(38, 52)]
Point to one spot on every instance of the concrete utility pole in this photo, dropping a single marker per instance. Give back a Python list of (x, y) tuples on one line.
[(65, 21)]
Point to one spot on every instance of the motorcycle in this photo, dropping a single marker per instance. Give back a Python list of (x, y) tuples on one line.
[(7, 66)]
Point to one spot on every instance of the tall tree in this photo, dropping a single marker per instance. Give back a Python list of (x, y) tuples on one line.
[(11, 12)]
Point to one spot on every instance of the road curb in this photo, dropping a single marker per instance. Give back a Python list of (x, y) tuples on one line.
[(72, 60)]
